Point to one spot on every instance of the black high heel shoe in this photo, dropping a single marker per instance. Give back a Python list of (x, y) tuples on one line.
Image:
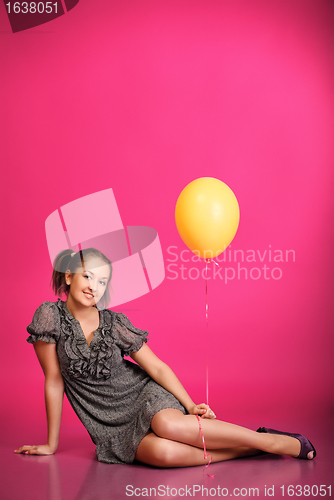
[(306, 445)]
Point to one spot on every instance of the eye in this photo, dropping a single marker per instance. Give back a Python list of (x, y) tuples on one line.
[(103, 283), (87, 276)]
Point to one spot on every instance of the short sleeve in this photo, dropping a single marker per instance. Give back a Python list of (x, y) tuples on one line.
[(128, 338), (43, 325)]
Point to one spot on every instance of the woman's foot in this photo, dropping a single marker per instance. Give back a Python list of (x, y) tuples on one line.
[(307, 449)]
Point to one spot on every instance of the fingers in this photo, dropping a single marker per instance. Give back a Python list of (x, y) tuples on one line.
[(202, 410), (27, 449), (209, 414), (205, 411)]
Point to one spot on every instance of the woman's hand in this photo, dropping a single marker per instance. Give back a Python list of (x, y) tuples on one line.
[(43, 449), (202, 410)]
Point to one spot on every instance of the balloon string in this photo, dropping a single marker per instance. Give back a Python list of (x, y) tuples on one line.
[(207, 330), (207, 261), (206, 455)]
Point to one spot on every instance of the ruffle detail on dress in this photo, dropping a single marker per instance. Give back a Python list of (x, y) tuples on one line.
[(86, 361)]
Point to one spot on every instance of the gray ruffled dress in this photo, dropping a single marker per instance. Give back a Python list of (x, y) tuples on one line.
[(114, 398)]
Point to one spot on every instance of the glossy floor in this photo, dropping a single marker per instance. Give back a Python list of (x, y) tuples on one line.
[(73, 473)]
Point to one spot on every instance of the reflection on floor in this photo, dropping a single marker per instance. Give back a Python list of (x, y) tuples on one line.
[(73, 473)]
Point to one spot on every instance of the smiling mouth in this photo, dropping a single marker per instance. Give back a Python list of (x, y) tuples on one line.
[(88, 295)]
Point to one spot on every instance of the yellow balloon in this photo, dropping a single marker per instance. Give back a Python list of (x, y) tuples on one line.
[(207, 216)]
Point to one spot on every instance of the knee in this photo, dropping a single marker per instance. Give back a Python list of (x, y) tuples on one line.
[(167, 426), (164, 454)]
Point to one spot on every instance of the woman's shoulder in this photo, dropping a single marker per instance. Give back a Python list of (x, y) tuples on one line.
[(115, 318), (123, 320), (47, 308), (45, 321), (48, 303)]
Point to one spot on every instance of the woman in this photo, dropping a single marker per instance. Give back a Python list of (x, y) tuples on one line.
[(131, 411)]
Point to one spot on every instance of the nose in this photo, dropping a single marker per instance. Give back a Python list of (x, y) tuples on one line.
[(92, 285)]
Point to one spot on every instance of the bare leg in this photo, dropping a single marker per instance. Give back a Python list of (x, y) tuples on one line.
[(161, 452), (173, 425)]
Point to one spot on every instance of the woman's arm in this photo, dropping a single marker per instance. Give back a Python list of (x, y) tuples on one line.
[(164, 376), (54, 394)]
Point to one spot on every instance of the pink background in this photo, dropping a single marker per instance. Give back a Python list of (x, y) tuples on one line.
[(144, 97)]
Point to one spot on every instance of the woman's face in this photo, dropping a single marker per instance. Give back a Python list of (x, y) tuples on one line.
[(89, 283)]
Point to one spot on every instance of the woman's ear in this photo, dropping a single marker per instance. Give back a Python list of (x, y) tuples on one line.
[(68, 276)]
